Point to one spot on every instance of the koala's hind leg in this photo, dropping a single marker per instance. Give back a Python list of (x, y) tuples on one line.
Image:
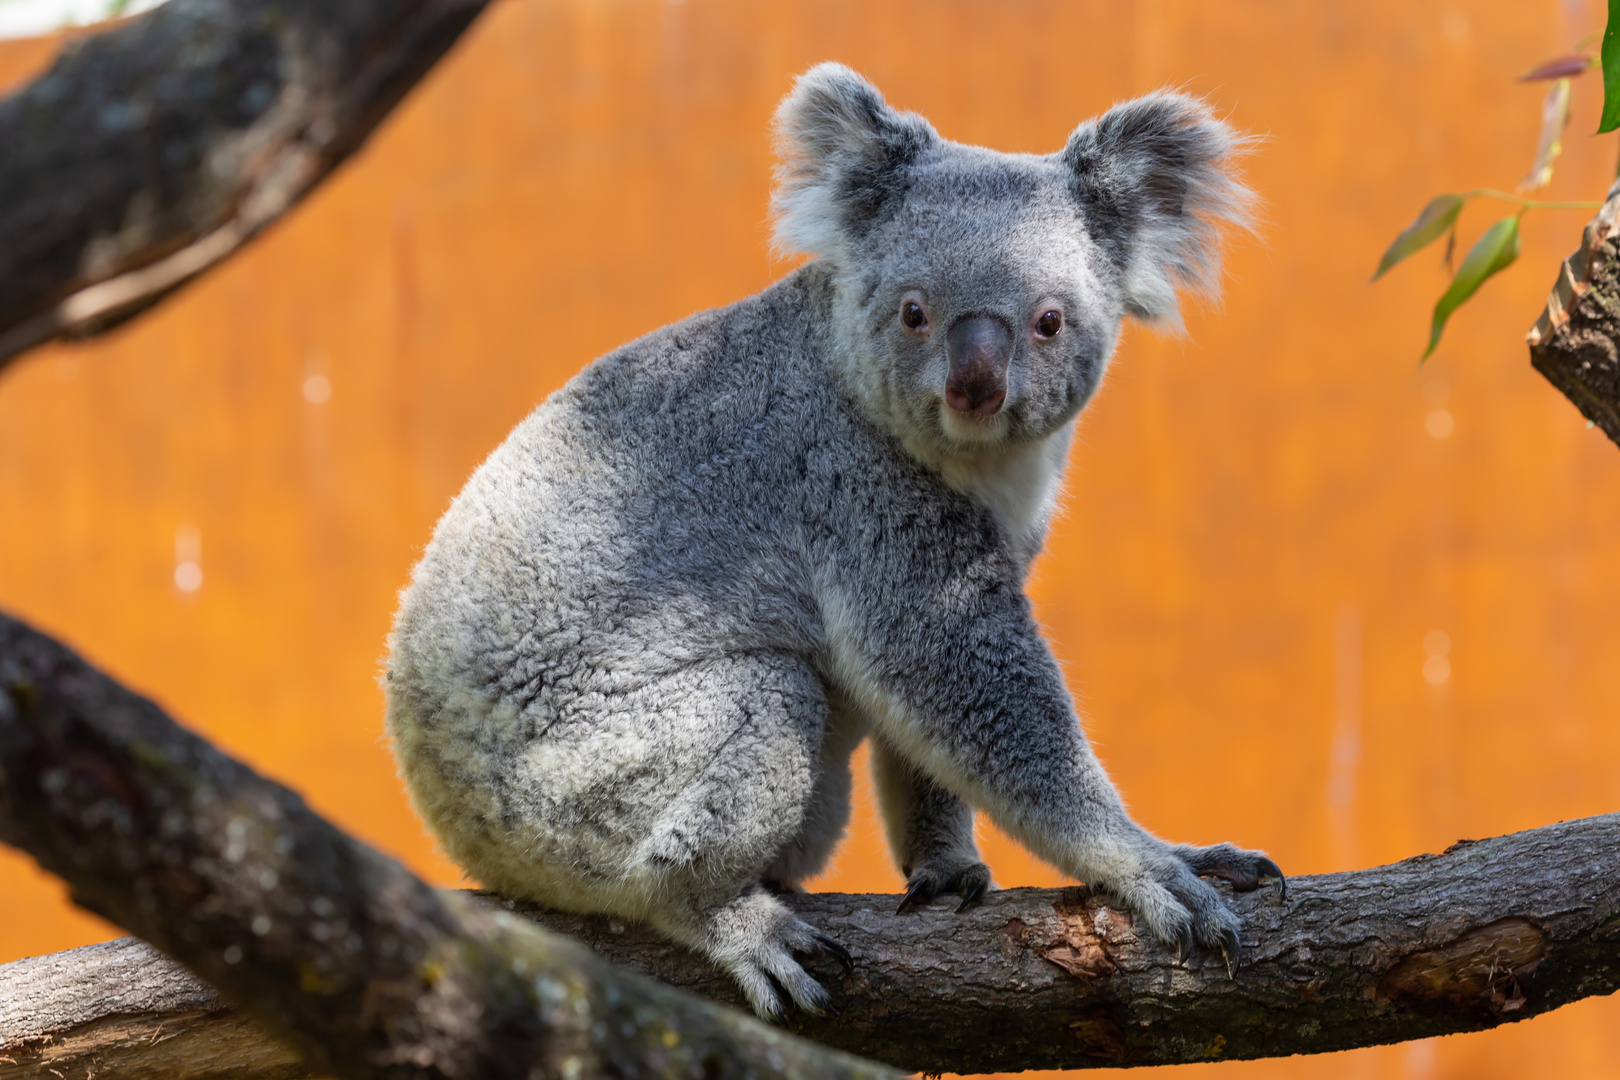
[(930, 832), (745, 797), (826, 812)]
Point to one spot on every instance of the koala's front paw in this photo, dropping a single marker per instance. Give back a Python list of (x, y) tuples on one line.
[(1246, 870), (932, 877), (1182, 910)]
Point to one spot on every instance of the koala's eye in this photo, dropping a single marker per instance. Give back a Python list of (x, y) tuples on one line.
[(913, 316), (1050, 322)]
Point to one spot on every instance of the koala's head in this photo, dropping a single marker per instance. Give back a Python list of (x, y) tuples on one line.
[(979, 294)]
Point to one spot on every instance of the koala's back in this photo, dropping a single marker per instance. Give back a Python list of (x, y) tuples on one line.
[(645, 521)]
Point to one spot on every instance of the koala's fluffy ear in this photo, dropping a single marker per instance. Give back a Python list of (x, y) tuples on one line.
[(1154, 178), (842, 153)]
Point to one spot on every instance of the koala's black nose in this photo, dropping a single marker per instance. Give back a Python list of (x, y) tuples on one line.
[(979, 348)]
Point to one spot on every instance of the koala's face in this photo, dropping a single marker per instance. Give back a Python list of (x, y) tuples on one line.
[(979, 293), (979, 308)]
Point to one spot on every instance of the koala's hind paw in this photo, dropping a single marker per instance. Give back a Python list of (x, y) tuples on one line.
[(1246, 870), (930, 879), (756, 941)]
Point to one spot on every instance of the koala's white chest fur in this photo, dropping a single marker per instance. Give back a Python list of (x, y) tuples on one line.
[(1018, 484)]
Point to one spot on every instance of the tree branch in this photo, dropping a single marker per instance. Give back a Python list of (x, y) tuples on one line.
[(1574, 341), (359, 966), (366, 968), (152, 151)]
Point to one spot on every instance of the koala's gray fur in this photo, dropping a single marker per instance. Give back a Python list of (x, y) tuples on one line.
[(630, 670)]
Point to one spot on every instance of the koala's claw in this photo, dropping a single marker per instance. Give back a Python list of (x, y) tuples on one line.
[(837, 952), (973, 894), (1185, 945), (1229, 951), (931, 879), (919, 891), (1269, 872)]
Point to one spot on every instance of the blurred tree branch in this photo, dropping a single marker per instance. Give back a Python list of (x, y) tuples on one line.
[(152, 151), (367, 972)]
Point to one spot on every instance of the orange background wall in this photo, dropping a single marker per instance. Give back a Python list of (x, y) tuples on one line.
[(1260, 530)]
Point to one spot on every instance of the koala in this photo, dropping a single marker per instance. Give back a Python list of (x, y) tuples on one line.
[(630, 669)]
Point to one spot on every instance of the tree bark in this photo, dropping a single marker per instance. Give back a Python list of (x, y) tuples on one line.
[(1574, 342), (123, 1009), (152, 151), (369, 972), (355, 963)]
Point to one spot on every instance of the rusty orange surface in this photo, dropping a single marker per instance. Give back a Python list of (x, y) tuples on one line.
[(1272, 524)]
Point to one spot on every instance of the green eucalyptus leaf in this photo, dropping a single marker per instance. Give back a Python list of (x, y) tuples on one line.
[(1439, 216), (1610, 58), (1491, 254)]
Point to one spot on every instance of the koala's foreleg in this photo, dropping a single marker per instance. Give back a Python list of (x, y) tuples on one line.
[(930, 831), (964, 688)]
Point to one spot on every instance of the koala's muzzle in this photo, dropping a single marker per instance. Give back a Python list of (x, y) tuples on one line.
[(979, 348)]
